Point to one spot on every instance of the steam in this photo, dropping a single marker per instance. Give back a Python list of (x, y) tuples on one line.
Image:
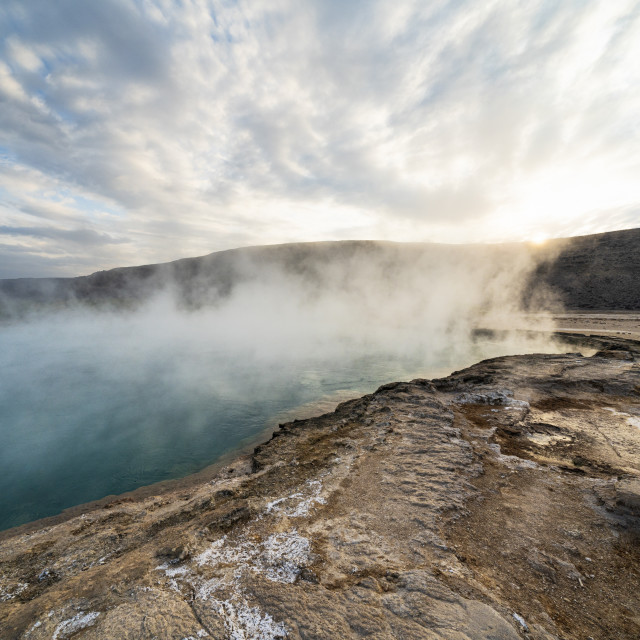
[(100, 400)]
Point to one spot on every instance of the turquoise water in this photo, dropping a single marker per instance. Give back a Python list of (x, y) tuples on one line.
[(96, 406)]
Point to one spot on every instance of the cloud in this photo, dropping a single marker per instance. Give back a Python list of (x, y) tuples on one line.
[(86, 237), (209, 124)]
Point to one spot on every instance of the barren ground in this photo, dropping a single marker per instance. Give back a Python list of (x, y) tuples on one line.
[(621, 323)]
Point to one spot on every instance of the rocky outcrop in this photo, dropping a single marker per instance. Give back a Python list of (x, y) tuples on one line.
[(500, 502)]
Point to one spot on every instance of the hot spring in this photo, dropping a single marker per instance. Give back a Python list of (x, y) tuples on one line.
[(94, 404)]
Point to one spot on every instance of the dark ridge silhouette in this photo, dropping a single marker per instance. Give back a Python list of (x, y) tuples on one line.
[(207, 280), (595, 272)]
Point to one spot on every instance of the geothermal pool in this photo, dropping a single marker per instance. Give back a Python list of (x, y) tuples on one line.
[(92, 406)]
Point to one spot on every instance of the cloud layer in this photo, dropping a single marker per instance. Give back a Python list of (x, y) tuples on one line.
[(145, 131)]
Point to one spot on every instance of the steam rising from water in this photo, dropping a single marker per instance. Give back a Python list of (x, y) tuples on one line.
[(102, 401)]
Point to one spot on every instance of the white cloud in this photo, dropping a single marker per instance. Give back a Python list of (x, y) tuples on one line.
[(213, 124), (22, 55)]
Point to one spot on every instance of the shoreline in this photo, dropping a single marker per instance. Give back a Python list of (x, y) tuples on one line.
[(501, 499), (235, 462), (229, 465)]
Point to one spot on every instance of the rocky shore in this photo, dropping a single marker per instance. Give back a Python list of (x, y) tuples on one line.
[(500, 502)]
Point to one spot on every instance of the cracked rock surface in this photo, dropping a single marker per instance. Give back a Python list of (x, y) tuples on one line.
[(500, 502)]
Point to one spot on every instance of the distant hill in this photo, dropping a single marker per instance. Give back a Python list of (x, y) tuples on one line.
[(206, 280), (584, 273), (595, 272)]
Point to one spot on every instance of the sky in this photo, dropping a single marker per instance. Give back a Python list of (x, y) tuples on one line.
[(142, 131)]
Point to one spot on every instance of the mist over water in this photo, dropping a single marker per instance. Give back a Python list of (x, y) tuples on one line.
[(97, 402)]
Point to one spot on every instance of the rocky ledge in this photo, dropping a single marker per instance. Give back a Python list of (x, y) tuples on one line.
[(500, 502)]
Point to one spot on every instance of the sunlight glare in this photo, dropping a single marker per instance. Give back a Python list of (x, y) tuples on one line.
[(539, 238)]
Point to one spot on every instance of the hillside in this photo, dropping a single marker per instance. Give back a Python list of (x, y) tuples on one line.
[(583, 273), (599, 271), (206, 280)]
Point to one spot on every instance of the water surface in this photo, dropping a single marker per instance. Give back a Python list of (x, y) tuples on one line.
[(91, 407)]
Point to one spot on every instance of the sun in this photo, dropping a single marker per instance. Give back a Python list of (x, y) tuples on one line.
[(539, 238)]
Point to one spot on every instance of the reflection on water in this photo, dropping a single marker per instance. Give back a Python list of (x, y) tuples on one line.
[(90, 410)]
